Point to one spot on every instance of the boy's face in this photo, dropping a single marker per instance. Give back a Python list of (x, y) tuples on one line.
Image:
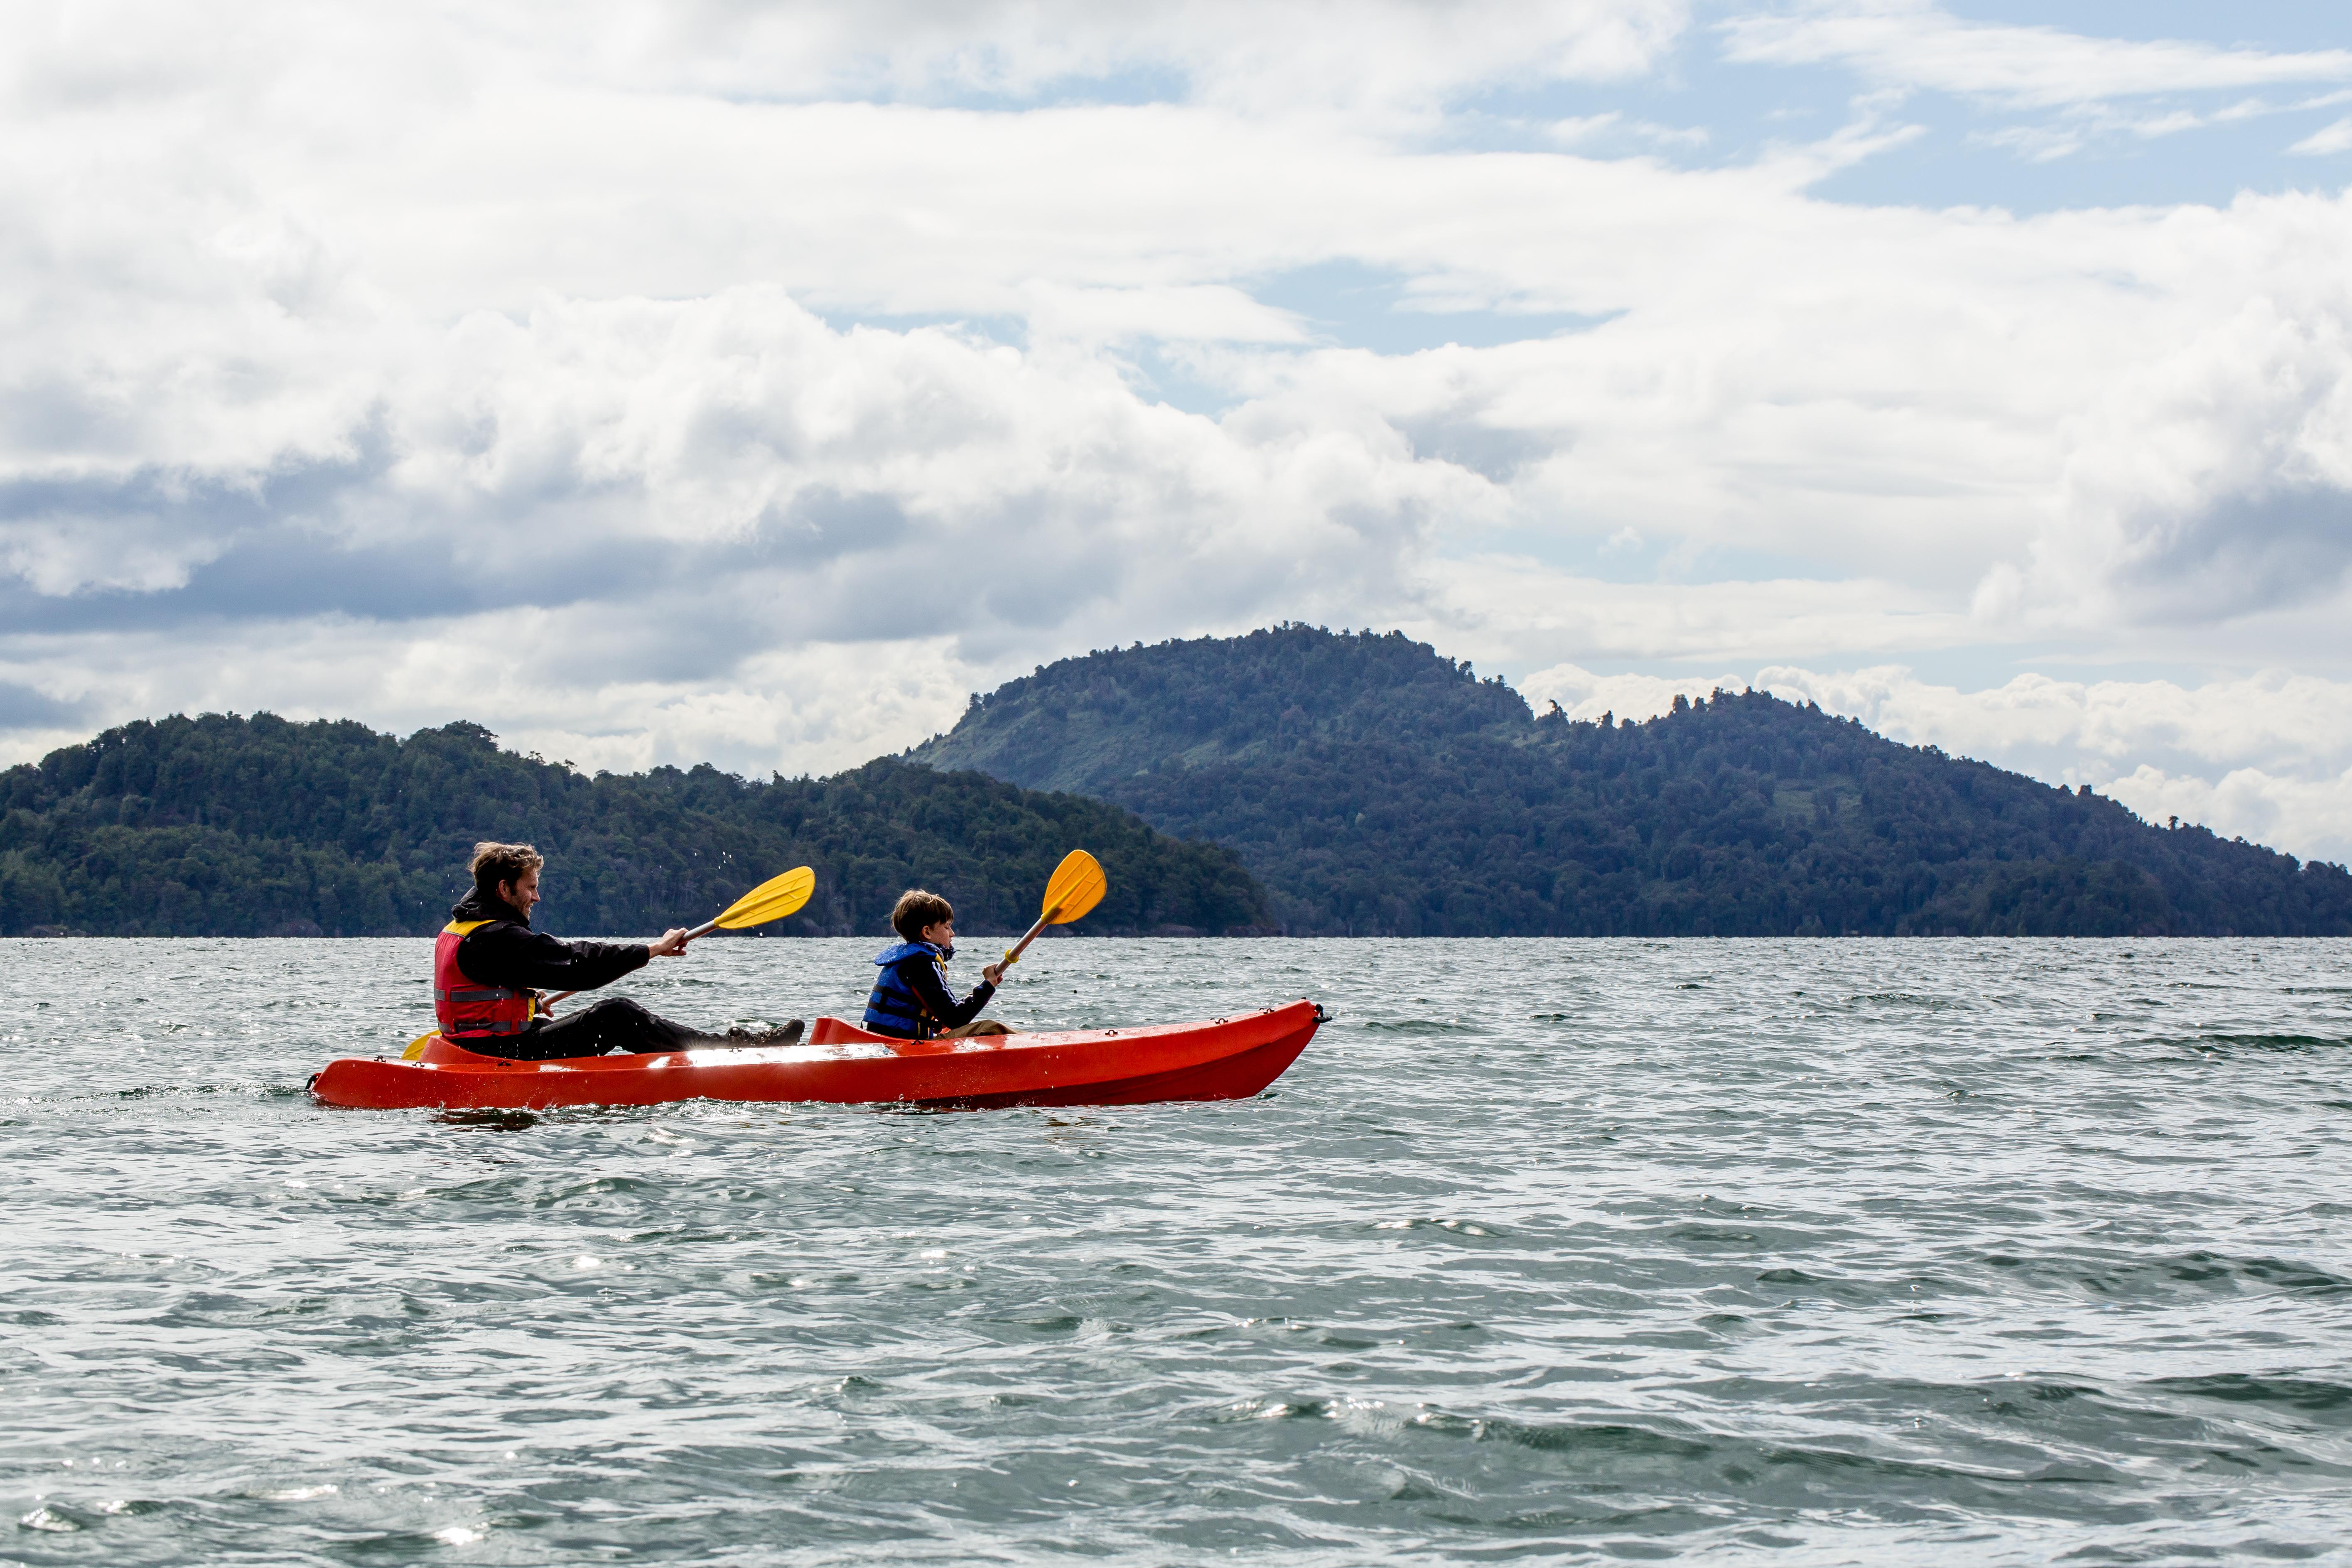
[(939, 934)]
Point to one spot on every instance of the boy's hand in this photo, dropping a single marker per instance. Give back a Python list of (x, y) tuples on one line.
[(672, 943), (993, 975)]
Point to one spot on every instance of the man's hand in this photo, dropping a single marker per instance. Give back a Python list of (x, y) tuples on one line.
[(673, 942), (993, 975)]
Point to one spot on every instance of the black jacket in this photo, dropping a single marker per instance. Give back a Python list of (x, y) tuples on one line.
[(508, 952), (945, 1009)]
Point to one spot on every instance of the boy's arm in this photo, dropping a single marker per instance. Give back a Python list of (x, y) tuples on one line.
[(940, 1002)]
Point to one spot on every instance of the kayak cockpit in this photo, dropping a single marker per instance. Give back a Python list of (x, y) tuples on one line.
[(826, 1041)]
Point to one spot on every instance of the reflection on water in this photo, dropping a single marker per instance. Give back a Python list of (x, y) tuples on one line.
[(495, 1120)]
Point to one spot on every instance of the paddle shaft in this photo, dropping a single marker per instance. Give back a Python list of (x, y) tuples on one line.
[(1023, 946), (705, 929)]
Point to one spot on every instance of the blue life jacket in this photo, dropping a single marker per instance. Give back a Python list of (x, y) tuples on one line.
[(894, 1009)]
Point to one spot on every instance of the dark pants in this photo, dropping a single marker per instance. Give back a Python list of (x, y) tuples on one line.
[(616, 1023)]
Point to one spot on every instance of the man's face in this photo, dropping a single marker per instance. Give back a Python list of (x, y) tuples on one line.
[(522, 893)]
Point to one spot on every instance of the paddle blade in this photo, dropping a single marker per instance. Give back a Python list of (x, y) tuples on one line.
[(1076, 887), (771, 900), (416, 1051)]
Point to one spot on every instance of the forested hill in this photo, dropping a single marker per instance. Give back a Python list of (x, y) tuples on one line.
[(229, 826), (1376, 787)]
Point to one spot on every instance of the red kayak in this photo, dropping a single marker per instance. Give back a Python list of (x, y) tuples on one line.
[(1225, 1058)]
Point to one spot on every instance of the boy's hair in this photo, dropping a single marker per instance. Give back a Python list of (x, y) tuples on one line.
[(917, 909), (496, 863)]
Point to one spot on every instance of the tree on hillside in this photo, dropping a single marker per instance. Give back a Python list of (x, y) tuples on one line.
[(1377, 788), (221, 825)]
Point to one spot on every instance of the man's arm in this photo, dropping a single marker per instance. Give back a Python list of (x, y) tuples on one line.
[(924, 977), (524, 960)]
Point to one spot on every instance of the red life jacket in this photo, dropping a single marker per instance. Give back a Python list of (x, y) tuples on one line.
[(465, 1008)]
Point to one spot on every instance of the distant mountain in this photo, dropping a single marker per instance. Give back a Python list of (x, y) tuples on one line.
[(229, 826), (1376, 787)]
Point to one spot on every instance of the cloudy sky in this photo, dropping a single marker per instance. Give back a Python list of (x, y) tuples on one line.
[(749, 383)]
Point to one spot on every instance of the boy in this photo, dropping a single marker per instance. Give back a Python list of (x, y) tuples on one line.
[(911, 999)]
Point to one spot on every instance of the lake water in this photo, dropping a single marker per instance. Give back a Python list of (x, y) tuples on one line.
[(1867, 1252)]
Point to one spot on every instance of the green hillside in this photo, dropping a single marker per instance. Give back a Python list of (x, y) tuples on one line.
[(229, 826), (1376, 787)]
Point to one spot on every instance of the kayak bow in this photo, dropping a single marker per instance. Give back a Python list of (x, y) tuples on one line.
[(1223, 1059)]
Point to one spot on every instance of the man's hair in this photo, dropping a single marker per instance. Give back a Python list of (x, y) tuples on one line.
[(917, 909), (496, 863)]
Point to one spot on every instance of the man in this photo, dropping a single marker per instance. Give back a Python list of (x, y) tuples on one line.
[(489, 969)]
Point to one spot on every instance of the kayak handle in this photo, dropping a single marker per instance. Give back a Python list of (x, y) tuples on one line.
[(1322, 1015)]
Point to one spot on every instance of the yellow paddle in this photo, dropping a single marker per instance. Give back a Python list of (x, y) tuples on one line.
[(771, 901), (1076, 886)]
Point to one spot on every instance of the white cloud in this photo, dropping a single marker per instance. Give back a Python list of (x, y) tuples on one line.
[(2284, 720), (1919, 44), (1369, 53), (634, 530), (1902, 394), (2312, 815), (1506, 610), (1582, 695), (815, 708), (2330, 138), (1376, 57)]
